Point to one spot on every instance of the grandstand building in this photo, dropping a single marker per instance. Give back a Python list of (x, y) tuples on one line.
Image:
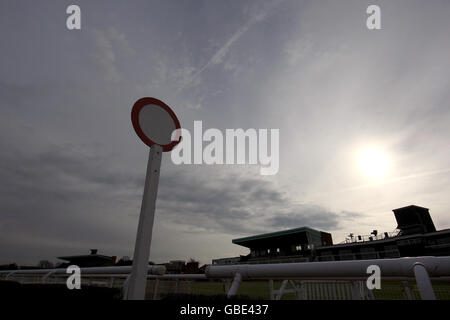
[(416, 235)]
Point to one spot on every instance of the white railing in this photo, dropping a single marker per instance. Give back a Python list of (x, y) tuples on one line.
[(309, 280), (418, 267), (158, 270), (112, 273)]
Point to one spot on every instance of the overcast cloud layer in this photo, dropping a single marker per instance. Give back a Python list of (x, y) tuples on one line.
[(72, 169)]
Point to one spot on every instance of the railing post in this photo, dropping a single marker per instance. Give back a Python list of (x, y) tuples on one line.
[(303, 292), (271, 289), (281, 291), (423, 282), (407, 289), (235, 285), (296, 287), (356, 291), (125, 287), (155, 291), (227, 285), (44, 278), (10, 274)]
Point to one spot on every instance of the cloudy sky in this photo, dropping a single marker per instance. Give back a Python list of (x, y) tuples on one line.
[(72, 168)]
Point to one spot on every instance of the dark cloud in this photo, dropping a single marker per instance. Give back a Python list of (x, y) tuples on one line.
[(73, 195), (233, 205), (12, 94), (64, 195), (72, 169), (312, 216)]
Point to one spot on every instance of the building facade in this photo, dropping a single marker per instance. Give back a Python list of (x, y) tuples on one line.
[(416, 236)]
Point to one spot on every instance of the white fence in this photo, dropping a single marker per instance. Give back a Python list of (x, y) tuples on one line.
[(418, 267), (309, 280), (323, 290)]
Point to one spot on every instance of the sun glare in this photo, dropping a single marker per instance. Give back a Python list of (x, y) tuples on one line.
[(374, 163)]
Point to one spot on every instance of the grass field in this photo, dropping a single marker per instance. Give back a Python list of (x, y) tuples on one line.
[(260, 290)]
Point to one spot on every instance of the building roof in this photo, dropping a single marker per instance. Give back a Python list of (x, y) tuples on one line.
[(92, 259), (87, 257), (277, 234), (410, 207)]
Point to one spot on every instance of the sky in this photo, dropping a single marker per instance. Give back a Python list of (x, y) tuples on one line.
[(72, 168)]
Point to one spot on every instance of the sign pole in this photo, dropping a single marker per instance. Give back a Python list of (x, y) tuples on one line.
[(154, 122), (138, 277)]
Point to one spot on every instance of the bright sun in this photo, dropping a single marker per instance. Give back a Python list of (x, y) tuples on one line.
[(374, 163)]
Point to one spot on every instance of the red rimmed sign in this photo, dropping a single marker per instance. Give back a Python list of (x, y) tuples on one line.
[(154, 122)]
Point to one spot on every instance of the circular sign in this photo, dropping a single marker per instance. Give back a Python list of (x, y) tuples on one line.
[(154, 122)]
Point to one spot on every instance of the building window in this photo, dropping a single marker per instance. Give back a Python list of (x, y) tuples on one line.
[(298, 247), (346, 254), (278, 250), (369, 253), (326, 256), (391, 252)]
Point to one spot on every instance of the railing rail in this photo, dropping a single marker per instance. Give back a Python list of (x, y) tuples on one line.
[(296, 275)]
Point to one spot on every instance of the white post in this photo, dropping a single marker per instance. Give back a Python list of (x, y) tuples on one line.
[(272, 295), (44, 278), (281, 291), (356, 291), (423, 282), (11, 273), (296, 287), (138, 278), (235, 285), (408, 292), (177, 285), (125, 285), (155, 289)]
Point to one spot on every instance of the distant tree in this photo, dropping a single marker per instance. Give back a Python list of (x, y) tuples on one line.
[(45, 264), (11, 266), (124, 261), (191, 266)]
